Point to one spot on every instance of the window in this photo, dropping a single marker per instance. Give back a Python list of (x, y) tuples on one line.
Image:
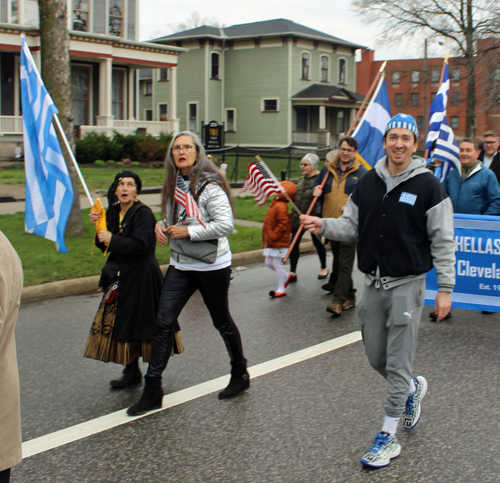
[(496, 75), (398, 99), (14, 18), (454, 122), (118, 93), (115, 17), (433, 95), (342, 72), (305, 66), (80, 15), (435, 76), (270, 105), (415, 76), (420, 122), (455, 98), (164, 74), (455, 77), (193, 117), (80, 90), (230, 120), (396, 77), (414, 99), (162, 112), (148, 114), (148, 88), (324, 68), (215, 66)]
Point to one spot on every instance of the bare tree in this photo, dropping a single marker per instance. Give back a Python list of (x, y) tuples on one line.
[(194, 20), (459, 23), (56, 74)]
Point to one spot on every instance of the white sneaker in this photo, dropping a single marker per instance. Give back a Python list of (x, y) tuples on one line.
[(384, 449), (413, 408)]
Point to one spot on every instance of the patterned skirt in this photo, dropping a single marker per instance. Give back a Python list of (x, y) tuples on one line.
[(102, 346)]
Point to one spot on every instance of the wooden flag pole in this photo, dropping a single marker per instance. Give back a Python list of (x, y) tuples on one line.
[(351, 129), (72, 156)]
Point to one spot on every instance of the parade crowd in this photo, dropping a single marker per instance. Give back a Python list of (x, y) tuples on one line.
[(356, 211)]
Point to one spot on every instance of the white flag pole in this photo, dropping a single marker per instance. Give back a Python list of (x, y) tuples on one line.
[(72, 156)]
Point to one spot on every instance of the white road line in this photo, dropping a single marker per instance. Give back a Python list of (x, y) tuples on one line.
[(103, 423)]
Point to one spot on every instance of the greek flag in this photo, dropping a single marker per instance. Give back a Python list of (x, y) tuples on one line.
[(437, 112), (446, 151), (370, 130), (49, 194)]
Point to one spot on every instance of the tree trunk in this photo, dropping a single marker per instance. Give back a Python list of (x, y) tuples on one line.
[(54, 41)]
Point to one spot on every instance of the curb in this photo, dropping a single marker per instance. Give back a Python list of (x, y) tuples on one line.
[(85, 285)]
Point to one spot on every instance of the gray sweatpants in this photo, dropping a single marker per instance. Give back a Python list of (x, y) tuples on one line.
[(389, 324)]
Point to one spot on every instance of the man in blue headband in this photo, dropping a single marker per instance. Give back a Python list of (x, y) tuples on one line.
[(403, 221)]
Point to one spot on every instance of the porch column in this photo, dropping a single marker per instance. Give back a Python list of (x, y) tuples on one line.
[(322, 117), (105, 93), (353, 115), (173, 99), (131, 94)]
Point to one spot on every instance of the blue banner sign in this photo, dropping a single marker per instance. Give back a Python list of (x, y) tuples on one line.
[(477, 240)]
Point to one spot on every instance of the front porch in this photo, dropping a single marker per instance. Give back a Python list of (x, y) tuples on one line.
[(322, 115)]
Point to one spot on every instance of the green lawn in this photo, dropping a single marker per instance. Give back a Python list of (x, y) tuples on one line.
[(42, 263)]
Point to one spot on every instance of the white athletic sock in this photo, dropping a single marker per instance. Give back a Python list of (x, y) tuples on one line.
[(413, 388), (390, 425)]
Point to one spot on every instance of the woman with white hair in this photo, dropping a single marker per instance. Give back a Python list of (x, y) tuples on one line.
[(303, 198), (200, 260)]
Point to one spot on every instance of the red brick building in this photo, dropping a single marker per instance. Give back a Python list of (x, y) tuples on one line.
[(412, 87)]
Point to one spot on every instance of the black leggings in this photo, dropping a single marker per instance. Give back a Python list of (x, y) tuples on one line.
[(5, 476), (178, 288), (294, 256)]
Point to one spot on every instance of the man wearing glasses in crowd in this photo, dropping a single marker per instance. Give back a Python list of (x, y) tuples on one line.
[(490, 156), (345, 171)]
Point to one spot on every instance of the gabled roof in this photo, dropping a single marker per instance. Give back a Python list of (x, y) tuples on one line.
[(327, 92), (266, 28)]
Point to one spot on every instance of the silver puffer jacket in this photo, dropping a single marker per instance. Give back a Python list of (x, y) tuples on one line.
[(218, 216)]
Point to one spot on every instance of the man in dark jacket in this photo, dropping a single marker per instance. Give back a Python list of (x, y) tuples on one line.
[(403, 221), (490, 156), (345, 170)]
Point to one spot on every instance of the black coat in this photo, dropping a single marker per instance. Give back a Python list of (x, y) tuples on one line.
[(495, 164), (133, 263)]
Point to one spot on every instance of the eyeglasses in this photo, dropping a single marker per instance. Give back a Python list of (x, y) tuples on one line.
[(490, 142), (347, 150), (186, 148), (305, 164)]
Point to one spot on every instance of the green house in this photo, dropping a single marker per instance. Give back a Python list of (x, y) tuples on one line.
[(272, 83)]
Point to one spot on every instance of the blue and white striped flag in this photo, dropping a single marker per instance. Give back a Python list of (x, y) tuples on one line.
[(445, 150), (437, 112), (49, 194), (370, 130)]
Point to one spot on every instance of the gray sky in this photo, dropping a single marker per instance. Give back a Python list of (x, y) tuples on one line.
[(334, 17)]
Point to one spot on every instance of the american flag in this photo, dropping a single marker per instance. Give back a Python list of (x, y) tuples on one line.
[(261, 182), (185, 199)]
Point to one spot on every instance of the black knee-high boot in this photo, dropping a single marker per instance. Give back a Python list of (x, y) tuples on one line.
[(240, 379), (151, 398), (130, 377)]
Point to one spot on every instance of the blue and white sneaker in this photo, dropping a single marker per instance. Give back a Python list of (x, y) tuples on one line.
[(413, 408), (384, 449)]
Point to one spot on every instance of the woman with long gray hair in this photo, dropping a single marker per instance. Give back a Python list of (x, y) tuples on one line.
[(200, 260)]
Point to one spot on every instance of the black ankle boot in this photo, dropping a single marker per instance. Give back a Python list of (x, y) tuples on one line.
[(236, 386), (151, 398), (130, 377)]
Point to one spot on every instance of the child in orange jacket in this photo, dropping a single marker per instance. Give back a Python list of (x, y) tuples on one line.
[(276, 237)]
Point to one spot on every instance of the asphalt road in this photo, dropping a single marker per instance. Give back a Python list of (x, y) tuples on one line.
[(308, 417)]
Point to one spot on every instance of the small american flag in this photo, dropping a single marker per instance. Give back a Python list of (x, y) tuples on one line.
[(185, 199), (261, 182)]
